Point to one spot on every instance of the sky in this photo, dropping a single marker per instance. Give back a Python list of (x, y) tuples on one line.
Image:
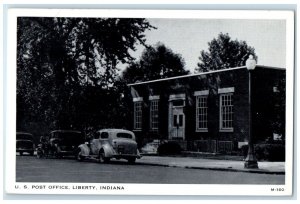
[(189, 36)]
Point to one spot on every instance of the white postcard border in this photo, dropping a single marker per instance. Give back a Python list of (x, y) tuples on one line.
[(145, 189)]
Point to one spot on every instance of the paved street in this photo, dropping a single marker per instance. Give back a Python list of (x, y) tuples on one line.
[(31, 169)]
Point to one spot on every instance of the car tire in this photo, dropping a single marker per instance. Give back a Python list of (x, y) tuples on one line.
[(79, 157), (131, 160), (21, 153), (39, 153), (102, 158), (31, 153)]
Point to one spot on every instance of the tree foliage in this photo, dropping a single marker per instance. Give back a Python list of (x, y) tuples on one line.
[(156, 62), (58, 58), (78, 50), (224, 53), (278, 102)]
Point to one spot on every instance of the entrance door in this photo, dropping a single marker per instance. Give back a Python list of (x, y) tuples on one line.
[(177, 123)]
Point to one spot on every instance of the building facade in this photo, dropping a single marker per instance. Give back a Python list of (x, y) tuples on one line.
[(209, 112)]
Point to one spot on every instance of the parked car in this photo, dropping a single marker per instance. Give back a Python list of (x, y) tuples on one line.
[(24, 143), (110, 143), (65, 142), (43, 148), (151, 147)]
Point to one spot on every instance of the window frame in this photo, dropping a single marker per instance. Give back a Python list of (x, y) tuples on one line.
[(104, 135), (204, 110), (201, 94), (137, 103), (229, 106), (154, 112)]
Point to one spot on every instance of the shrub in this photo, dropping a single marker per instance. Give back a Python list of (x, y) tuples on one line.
[(268, 152), (169, 148)]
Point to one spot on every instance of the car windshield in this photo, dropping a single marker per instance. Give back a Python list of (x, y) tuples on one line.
[(124, 135), (70, 137), (24, 136)]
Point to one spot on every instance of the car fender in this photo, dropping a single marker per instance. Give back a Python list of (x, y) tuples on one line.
[(85, 150), (108, 151)]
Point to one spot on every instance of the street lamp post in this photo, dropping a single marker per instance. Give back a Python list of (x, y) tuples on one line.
[(250, 161)]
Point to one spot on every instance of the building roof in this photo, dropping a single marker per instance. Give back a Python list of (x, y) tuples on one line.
[(204, 73)]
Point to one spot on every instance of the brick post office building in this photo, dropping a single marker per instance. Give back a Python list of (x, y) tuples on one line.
[(209, 112)]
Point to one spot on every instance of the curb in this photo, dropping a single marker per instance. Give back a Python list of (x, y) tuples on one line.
[(217, 169)]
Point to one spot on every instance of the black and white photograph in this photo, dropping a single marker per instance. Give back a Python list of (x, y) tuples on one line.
[(147, 102)]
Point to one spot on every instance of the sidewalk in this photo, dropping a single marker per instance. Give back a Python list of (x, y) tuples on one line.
[(212, 164)]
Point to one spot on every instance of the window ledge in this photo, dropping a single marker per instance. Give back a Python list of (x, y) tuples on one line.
[(226, 130), (201, 130)]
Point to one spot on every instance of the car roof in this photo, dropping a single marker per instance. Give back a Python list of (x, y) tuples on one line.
[(115, 130), (62, 131), (23, 133)]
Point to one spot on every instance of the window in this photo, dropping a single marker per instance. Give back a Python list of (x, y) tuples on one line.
[(138, 115), (226, 112), (104, 135), (124, 135), (201, 113), (201, 110), (154, 114), (178, 120), (97, 135)]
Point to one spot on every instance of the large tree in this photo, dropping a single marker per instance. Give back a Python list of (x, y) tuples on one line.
[(58, 58), (156, 62), (78, 50), (223, 53)]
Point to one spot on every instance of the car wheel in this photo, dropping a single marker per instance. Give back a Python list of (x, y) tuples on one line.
[(102, 158), (21, 153), (79, 157), (31, 153), (131, 160), (39, 153)]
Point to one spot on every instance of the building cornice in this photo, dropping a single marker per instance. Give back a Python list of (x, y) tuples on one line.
[(203, 73)]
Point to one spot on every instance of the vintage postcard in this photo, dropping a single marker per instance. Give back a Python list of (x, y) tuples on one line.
[(149, 102)]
